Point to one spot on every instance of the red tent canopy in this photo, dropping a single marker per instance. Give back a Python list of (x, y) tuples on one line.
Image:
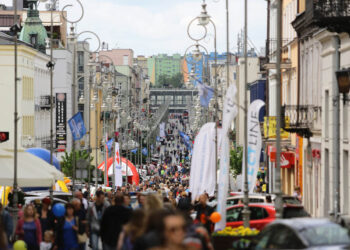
[(133, 176)]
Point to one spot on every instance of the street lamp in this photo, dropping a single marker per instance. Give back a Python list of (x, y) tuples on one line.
[(204, 18), (343, 79)]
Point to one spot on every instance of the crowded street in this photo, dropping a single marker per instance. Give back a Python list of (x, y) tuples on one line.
[(174, 125)]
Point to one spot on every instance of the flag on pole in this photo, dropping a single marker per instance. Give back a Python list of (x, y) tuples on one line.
[(229, 113), (109, 144), (202, 176), (77, 127), (144, 151), (205, 93), (254, 143)]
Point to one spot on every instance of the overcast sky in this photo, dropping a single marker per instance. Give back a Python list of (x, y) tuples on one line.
[(160, 26)]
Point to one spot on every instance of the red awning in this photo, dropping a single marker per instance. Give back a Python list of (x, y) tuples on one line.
[(287, 159)]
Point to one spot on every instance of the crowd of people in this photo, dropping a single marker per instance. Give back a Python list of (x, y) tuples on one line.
[(161, 217), (156, 214)]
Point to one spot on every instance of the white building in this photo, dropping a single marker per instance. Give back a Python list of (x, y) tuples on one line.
[(32, 73)]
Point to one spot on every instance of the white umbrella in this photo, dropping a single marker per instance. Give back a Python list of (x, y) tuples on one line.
[(31, 170)]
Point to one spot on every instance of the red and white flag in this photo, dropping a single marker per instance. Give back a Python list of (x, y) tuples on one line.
[(118, 166)]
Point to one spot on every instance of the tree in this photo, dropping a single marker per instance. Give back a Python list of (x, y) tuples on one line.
[(163, 80), (67, 162), (177, 80), (236, 157)]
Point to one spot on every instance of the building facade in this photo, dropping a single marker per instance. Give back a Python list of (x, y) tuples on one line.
[(163, 65)]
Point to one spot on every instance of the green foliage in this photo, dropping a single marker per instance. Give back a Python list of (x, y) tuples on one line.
[(175, 81), (67, 162), (236, 157)]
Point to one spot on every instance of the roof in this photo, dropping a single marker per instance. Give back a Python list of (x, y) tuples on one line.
[(299, 224), (8, 40)]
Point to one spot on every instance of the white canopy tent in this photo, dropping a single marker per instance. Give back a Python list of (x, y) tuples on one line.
[(31, 170)]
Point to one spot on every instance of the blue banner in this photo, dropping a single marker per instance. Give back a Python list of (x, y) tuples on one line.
[(109, 144), (77, 127), (134, 150), (205, 93), (144, 151)]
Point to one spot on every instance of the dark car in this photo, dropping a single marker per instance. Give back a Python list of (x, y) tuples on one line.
[(302, 233)]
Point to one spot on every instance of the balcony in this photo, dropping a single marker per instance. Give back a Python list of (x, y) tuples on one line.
[(44, 102), (302, 119), (331, 14)]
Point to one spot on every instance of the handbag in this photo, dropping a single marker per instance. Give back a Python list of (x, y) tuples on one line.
[(82, 238)]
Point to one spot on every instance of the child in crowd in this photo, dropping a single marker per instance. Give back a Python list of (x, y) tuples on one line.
[(48, 239)]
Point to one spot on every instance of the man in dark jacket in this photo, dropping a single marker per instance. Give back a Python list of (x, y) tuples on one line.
[(94, 216), (112, 222), (7, 222)]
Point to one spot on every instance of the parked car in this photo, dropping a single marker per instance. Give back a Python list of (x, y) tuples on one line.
[(302, 233), (261, 214), (254, 198), (56, 194), (261, 198)]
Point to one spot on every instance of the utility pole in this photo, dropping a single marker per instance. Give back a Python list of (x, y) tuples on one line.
[(15, 184), (245, 212), (278, 191)]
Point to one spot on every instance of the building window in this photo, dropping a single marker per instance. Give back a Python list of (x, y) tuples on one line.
[(126, 60), (153, 100), (345, 181), (81, 109), (326, 114), (345, 122), (80, 61), (178, 100), (327, 170), (33, 39), (80, 87)]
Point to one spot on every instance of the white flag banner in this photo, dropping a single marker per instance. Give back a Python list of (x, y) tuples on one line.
[(202, 177), (118, 166), (229, 113), (162, 129), (254, 143)]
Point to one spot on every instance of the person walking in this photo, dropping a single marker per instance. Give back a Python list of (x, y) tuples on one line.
[(203, 212), (66, 231), (7, 222), (94, 217), (28, 228), (80, 217), (113, 220), (46, 216)]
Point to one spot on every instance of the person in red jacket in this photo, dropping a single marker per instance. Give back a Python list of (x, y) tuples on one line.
[(28, 228)]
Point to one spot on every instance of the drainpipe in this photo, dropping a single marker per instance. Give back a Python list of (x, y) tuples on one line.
[(336, 131)]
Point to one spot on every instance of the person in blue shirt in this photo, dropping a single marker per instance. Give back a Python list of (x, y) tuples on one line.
[(66, 230)]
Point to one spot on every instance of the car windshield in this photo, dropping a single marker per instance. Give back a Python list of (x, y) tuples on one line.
[(294, 212), (328, 234)]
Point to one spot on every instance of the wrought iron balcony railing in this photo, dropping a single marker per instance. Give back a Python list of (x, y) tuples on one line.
[(332, 14), (301, 119)]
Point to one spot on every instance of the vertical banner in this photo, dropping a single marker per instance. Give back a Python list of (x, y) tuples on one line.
[(202, 176), (118, 166), (254, 142), (229, 113), (61, 121)]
